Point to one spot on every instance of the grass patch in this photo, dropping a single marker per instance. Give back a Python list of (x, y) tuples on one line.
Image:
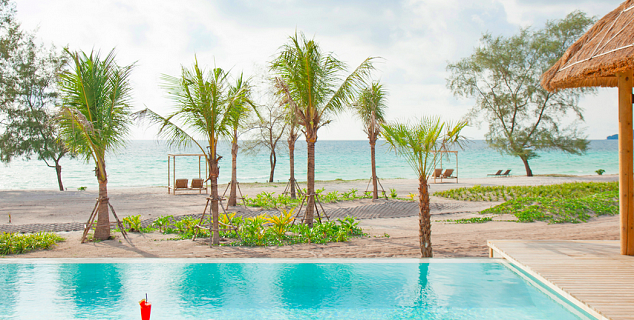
[(568, 202), (470, 220), (269, 200), (15, 243)]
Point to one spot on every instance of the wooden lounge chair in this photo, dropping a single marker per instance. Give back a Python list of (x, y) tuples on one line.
[(506, 173), (448, 174), (437, 174), (495, 174), (198, 184), (180, 184)]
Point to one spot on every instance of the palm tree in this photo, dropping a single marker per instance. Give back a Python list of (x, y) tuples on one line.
[(312, 83), (240, 110), (419, 144), (95, 115), (370, 107), (203, 102)]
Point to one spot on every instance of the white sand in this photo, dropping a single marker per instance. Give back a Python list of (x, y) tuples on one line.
[(449, 240)]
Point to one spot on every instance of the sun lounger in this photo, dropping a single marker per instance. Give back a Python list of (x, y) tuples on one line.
[(181, 184), (448, 174), (198, 184), (495, 174), (506, 173), (437, 174)]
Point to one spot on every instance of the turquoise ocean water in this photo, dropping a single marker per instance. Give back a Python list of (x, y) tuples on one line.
[(179, 290), (144, 163)]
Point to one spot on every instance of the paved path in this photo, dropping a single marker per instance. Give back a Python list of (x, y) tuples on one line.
[(384, 209)]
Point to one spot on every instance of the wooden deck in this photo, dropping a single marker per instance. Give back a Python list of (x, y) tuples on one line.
[(592, 274)]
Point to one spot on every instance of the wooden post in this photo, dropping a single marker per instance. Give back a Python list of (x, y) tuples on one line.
[(168, 175), (626, 174)]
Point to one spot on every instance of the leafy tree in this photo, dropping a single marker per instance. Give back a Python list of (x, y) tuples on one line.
[(419, 143), (95, 116), (203, 101), (240, 109), (268, 132), (503, 75), (312, 82), (370, 108), (28, 95)]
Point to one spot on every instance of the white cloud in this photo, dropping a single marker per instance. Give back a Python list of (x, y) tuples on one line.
[(416, 38)]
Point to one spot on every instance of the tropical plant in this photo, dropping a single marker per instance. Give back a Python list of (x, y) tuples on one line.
[(132, 223), (162, 222), (600, 171), (503, 76), (419, 143), (293, 134), (314, 89), (240, 109), (204, 102), (15, 243), (370, 107), (94, 116), (281, 223)]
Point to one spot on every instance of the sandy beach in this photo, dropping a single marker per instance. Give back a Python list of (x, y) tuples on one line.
[(387, 237)]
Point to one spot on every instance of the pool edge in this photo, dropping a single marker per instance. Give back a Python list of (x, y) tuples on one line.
[(582, 305)]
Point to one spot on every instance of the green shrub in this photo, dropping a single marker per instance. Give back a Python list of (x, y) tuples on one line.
[(132, 223), (162, 222), (471, 220), (15, 243), (600, 172)]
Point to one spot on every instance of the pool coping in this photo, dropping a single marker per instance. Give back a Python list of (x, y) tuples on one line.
[(496, 251), (246, 260)]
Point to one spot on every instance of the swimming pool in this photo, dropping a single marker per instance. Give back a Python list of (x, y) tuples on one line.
[(274, 289)]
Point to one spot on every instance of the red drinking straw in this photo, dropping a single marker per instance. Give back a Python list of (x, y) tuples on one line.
[(146, 308)]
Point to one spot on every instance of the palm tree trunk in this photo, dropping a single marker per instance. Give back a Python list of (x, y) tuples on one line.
[(213, 176), (58, 170), (102, 231), (375, 188), (234, 171), (273, 161), (529, 172), (424, 219), (311, 138), (291, 152)]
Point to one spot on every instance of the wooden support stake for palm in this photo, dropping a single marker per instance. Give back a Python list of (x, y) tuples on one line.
[(301, 206), (292, 185), (93, 215)]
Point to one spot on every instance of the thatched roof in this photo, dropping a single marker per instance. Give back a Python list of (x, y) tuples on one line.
[(593, 61)]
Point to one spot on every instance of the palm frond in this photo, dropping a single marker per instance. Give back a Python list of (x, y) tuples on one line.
[(351, 86), (175, 136), (419, 143), (95, 96)]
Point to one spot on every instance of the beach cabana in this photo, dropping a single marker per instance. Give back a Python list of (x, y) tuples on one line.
[(171, 173), (604, 57)]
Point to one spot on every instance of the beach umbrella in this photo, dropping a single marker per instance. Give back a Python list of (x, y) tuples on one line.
[(604, 57)]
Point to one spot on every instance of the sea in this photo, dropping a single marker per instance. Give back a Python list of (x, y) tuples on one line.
[(144, 163)]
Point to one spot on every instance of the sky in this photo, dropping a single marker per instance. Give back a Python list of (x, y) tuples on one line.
[(415, 39)]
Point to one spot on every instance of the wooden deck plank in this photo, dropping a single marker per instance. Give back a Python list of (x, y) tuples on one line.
[(592, 274)]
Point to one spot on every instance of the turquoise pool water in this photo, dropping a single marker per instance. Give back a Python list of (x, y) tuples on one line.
[(287, 290)]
